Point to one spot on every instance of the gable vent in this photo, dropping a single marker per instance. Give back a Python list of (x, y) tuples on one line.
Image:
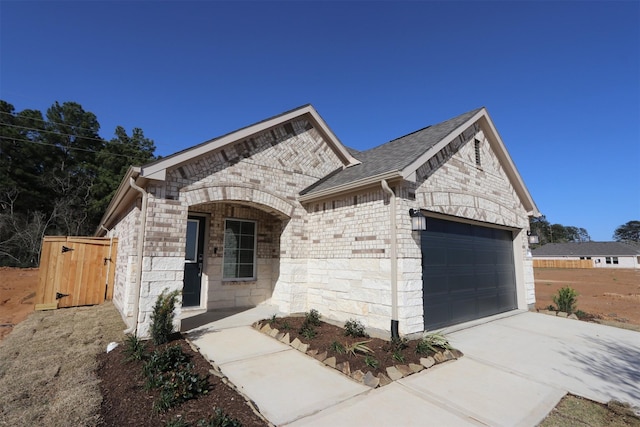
[(288, 128), (477, 150)]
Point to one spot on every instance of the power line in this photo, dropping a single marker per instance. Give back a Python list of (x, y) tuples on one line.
[(43, 120), (50, 122), (54, 132), (63, 146)]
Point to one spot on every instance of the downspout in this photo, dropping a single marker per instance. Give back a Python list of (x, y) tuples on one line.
[(106, 284), (143, 222), (393, 231)]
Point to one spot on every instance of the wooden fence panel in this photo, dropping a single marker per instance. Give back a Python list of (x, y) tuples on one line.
[(75, 271), (562, 263)]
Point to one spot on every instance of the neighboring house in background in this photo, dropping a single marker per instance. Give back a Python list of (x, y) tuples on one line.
[(602, 254), (281, 212)]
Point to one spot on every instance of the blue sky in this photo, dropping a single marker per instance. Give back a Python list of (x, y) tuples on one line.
[(561, 80)]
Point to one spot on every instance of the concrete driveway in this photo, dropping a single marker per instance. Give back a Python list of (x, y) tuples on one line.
[(515, 370), (590, 360)]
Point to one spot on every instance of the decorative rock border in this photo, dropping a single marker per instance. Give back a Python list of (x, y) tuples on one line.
[(393, 372), (559, 314)]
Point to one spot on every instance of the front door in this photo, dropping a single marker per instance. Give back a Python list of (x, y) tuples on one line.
[(193, 262)]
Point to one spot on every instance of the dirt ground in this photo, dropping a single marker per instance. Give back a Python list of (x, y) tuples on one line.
[(17, 295), (613, 294)]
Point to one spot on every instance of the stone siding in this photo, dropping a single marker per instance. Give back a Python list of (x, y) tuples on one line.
[(126, 230)]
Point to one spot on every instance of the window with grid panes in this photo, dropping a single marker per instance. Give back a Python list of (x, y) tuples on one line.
[(239, 258)]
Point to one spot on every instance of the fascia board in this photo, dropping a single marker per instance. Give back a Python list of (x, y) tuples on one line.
[(116, 203), (157, 170), (328, 135), (351, 186), (507, 163), (499, 148), (409, 172)]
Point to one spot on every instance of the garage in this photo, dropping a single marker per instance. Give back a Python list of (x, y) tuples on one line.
[(467, 272)]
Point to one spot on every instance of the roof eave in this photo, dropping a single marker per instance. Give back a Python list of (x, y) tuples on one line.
[(115, 205), (349, 187), (157, 170), (500, 149)]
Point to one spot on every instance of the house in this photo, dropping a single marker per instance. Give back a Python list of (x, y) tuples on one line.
[(281, 212), (602, 254)]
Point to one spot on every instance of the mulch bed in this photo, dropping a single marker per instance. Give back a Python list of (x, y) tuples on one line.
[(382, 350), (127, 403)]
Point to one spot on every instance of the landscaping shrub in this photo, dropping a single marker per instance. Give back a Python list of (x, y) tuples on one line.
[(357, 347), (311, 320), (337, 347), (312, 317), (170, 371), (162, 317), (371, 362), (355, 328), (135, 348), (220, 419), (431, 342), (566, 299)]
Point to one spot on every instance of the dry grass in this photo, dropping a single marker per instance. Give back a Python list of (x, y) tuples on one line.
[(48, 364), (574, 411)]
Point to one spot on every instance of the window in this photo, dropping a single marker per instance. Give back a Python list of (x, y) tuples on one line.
[(585, 257), (239, 259), (191, 248), (477, 148), (607, 260), (615, 259)]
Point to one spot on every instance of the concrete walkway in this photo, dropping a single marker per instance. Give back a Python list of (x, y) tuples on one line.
[(515, 370)]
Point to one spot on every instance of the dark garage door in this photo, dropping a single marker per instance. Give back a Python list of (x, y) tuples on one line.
[(467, 272)]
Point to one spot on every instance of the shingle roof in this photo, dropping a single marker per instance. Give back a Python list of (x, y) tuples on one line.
[(392, 156), (586, 249)]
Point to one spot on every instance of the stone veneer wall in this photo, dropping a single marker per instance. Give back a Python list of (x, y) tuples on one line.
[(164, 250), (126, 230)]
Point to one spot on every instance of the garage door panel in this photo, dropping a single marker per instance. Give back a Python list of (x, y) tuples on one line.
[(468, 272)]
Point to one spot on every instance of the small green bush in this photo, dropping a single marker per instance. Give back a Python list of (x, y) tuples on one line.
[(308, 332), (431, 342), (311, 320), (170, 371), (371, 362), (337, 347), (135, 348), (312, 317), (565, 300), (398, 344), (355, 328), (162, 317), (398, 356)]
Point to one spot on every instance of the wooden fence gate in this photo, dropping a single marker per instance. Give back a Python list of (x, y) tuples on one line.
[(75, 271)]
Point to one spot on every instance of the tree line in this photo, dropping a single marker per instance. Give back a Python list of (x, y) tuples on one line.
[(628, 232), (57, 175)]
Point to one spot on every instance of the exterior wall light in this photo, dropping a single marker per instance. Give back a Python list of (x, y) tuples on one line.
[(533, 238), (418, 221)]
